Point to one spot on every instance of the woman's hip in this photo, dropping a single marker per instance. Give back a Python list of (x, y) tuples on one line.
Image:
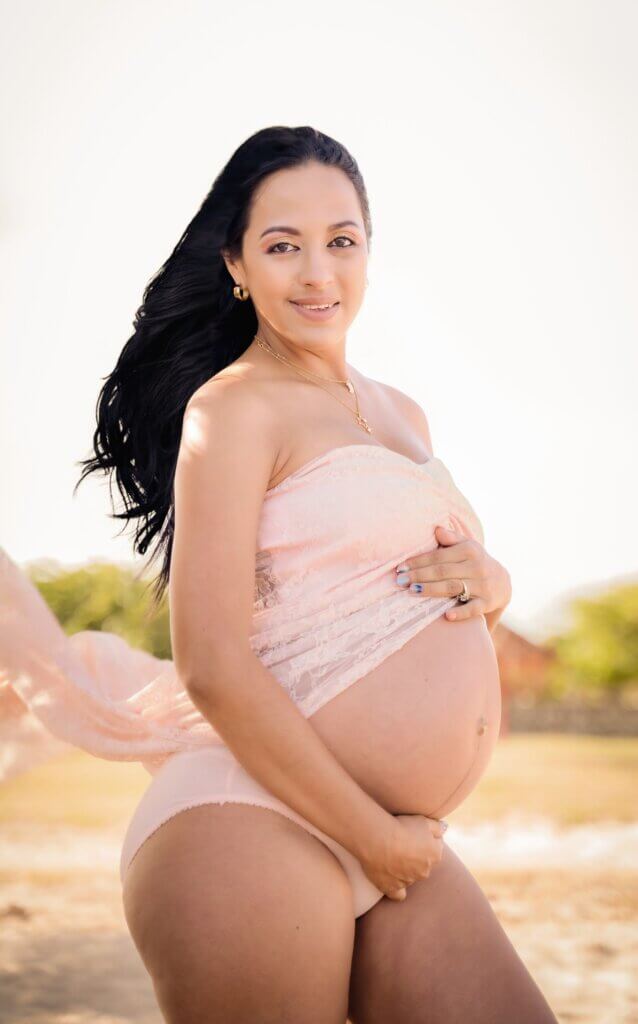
[(213, 775)]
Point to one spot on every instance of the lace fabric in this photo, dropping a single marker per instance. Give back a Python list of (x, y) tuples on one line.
[(327, 611)]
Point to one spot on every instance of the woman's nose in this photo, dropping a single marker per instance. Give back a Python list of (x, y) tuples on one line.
[(316, 271), (316, 279)]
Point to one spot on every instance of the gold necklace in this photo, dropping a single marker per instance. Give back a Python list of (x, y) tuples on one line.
[(361, 420)]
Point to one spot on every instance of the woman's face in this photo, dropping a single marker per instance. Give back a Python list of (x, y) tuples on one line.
[(297, 249)]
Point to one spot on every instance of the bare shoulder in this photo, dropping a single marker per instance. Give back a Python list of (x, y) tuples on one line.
[(237, 399), (230, 418), (402, 406)]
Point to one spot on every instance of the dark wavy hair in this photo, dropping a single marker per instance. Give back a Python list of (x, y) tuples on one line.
[(188, 328)]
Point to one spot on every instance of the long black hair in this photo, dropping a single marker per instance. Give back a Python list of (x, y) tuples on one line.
[(188, 328)]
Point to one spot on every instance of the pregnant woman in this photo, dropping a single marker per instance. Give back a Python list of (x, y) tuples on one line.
[(334, 690)]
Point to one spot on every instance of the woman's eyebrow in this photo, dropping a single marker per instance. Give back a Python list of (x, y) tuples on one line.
[(286, 229)]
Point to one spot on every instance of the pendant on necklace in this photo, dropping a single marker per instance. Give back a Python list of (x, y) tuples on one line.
[(349, 386), (362, 421)]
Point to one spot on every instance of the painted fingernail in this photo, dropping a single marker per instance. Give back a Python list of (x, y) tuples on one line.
[(402, 567), (402, 578), (418, 587)]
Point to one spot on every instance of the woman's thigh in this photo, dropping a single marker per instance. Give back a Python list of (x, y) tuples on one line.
[(240, 914), (440, 956)]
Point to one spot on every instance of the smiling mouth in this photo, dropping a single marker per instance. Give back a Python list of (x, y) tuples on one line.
[(312, 305)]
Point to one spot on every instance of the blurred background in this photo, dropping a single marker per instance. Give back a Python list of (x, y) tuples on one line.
[(499, 145)]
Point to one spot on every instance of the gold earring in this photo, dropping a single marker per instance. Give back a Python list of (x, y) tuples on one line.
[(240, 293)]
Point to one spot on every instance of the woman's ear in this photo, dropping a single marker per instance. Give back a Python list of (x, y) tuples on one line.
[(227, 261), (234, 267)]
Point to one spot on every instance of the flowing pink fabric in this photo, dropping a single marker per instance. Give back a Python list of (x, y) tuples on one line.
[(327, 610)]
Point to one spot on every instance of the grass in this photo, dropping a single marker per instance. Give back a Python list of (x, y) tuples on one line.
[(569, 779)]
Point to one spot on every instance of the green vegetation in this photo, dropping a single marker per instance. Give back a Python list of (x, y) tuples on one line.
[(106, 598), (599, 653)]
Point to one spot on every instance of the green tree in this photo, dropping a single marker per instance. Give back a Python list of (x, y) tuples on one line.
[(107, 598), (600, 651)]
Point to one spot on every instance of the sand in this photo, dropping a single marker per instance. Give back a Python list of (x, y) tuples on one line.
[(568, 899)]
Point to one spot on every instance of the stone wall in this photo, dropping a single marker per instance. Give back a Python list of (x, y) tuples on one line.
[(546, 716)]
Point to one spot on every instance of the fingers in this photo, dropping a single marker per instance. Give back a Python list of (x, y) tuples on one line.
[(470, 610), (438, 827), (418, 582), (398, 894), (432, 568)]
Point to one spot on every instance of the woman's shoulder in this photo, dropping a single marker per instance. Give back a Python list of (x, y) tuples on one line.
[(392, 406), (240, 382), (231, 397), (399, 407)]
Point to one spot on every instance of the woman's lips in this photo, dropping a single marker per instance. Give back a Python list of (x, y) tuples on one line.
[(315, 314)]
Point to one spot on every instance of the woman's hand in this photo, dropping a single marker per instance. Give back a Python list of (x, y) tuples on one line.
[(407, 854), (441, 572)]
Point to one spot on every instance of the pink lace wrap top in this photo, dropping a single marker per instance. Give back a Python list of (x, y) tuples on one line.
[(327, 610)]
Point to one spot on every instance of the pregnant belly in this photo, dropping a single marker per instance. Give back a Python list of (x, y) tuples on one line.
[(418, 732)]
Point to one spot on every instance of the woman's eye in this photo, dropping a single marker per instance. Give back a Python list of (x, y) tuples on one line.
[(275, 247)]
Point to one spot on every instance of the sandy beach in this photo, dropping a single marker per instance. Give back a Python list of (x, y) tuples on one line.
[(562, 876)]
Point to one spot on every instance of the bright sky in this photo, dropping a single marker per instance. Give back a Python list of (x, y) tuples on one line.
[(499, 144)]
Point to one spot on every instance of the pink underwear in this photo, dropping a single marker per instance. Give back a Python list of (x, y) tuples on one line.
[(214, 775)]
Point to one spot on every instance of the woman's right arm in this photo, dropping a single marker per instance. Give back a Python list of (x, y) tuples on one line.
[(226, 457)]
